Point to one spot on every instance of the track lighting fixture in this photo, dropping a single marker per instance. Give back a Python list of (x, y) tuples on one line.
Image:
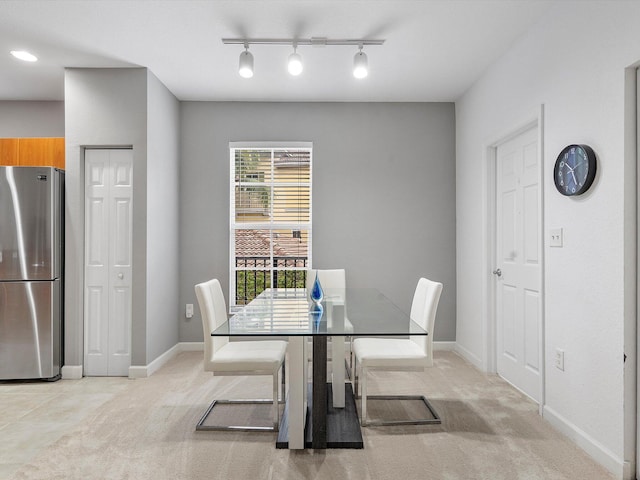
[(294, 64), (246, 63), (360, 64)]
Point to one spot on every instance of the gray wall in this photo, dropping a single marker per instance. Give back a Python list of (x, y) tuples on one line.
[(31, 119), (162, 218), (383, 193), (127, 107), (104, 107)]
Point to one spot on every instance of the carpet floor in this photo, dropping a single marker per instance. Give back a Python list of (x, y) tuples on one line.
[(145, 429)]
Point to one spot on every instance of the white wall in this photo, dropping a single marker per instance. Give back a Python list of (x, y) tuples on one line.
[(573, 61)]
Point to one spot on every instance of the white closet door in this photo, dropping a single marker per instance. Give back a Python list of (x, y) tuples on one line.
[(108, 250), (518, 296)]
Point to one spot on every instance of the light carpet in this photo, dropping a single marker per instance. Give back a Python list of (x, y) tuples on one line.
[(147, 431)]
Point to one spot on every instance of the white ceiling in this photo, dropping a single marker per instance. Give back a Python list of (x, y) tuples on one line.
[(434, 49)]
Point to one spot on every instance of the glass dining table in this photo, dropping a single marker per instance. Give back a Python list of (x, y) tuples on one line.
[(321, 414)]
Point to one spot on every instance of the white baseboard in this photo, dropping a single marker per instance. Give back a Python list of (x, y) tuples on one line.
[(71, 372), (468, 356), (444, 346), (594, 449), (144, 371), (191, 346)]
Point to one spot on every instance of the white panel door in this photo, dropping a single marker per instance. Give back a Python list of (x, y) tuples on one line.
[(108, 249), (518, 302)]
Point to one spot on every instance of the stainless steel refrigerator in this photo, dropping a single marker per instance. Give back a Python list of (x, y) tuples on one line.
[(31, 272)]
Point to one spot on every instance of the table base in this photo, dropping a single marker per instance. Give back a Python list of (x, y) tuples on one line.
[(343, 426)]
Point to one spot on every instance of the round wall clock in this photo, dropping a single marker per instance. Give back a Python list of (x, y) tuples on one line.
[(575, 170)]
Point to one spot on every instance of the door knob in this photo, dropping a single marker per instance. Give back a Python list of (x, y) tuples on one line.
[(497, 272), (121, 275)]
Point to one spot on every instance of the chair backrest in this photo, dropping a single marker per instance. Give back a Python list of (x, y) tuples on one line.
[(214, 313), (423, 312), (333, 283), (335, 278)]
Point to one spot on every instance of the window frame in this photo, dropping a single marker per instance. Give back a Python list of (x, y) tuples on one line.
[(234, 226)]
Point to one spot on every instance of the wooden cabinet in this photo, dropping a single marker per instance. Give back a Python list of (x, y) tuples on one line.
[(48, 152), (8, 151)]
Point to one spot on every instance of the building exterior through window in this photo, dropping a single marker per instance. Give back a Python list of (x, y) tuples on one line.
[(270, 220)]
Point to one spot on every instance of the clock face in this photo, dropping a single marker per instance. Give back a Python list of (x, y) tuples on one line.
[(575, 170)]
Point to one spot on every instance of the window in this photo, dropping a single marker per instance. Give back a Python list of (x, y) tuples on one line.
[(270, 218)]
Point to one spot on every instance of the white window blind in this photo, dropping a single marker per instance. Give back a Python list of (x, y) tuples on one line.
[(270, 218)]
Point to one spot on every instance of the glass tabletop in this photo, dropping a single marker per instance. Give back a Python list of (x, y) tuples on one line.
[(290, 312)]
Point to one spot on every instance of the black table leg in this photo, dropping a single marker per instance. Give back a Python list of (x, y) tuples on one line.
[(327, 427), (319, 402)]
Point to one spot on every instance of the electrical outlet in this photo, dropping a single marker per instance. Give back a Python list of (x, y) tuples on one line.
[(189, 310), (560, 359)]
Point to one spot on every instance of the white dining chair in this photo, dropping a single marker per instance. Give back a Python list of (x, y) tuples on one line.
[(222, 357), (400, 354), (333, 282)]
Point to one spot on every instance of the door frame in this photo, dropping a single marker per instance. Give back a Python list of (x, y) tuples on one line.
[(489, 327), (631, 368)]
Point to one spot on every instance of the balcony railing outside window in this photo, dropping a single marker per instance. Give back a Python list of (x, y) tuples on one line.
[(251, 281)]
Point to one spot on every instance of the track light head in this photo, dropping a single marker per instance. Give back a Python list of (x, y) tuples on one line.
[(294, 65), (360, 64), (245, 68)]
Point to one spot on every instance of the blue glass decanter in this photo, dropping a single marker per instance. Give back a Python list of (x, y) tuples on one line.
[(316, 291), (315, 313)]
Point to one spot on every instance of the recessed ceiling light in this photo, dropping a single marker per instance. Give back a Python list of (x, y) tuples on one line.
[(24, 55)]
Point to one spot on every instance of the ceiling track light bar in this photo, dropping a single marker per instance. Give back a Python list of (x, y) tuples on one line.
[(295, 64), (314, 41)]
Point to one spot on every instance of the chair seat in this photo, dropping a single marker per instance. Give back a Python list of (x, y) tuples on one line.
[(247, 356), (389, 352)]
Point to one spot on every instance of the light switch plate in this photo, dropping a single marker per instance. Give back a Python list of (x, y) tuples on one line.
[(189, 310), (555, 237), (560, 359)]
